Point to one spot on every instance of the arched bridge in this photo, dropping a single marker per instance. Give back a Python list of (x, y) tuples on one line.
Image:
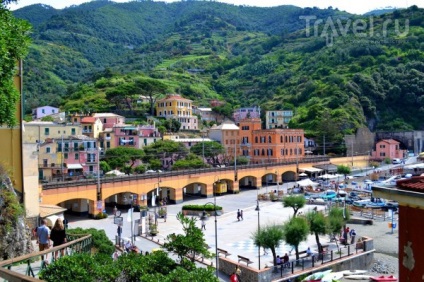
[(90, 196)]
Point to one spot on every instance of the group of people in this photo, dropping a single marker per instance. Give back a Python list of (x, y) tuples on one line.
[(284, 260), (347, 234), (239, 214), (45, 236)]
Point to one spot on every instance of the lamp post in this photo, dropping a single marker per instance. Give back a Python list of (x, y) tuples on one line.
[(154, 199), (98, 174), (259, 230), (278, 185), (132, 219), (203, 217)]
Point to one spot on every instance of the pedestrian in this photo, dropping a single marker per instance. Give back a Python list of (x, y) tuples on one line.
[(58, 236), (43, 237), (128, 246), (203, 224), (115, 209), (115, 255), (119, 231), (241, 214), (164, 217), (352, 236), (238, 214), (65, 223)]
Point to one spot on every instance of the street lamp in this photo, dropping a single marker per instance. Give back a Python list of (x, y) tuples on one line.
[(259, 230), (98, 174), (278, 185), (204, 217)]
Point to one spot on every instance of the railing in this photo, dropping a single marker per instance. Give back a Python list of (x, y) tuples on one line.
[(165, 174), (76, 244)]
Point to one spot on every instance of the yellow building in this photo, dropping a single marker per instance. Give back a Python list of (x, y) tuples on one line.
[(20, 160), (176, 107)]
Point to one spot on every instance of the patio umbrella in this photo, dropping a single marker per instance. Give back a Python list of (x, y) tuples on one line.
[(303, 174)]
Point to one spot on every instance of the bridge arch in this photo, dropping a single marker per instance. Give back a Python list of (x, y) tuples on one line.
[(79, 206), (288, 176), (248, 181)]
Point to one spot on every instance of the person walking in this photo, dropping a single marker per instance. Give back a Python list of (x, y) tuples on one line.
[(352, 236), (119, 231), (203, 225), (241, 214), (238, 214), (58, 236), (43, 237)]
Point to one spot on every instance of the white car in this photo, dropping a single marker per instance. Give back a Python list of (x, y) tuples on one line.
[(150, 171)]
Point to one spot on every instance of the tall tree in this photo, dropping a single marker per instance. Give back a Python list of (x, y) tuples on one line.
[(189, 244), (152, 88), (294, 202), (318, 225), (120, 156), (296, 231), (337, 218), (269, 237), (211, 149), (14, 42), (165, 149)]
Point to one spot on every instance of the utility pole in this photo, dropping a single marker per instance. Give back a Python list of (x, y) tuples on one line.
[(235, 159), (324, 145), (62, 156)]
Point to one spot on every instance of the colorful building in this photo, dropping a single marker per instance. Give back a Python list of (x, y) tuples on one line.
[(387, 148), (227, 134), (37, 132), (174, 106), (249, 112), (278, 119), (409, 193), (41, 112)]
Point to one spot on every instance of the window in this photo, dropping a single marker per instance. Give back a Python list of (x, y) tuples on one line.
[(46, 131), (48, 150), (281, 139), (269, 139), (77, 156), (104, 120), (108, 144), (263, 152), (43, 111), (65, 156), (53, 111), (73, 131), (256, 139)]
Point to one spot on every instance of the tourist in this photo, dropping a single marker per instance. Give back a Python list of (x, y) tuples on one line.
[(58, 236), (278, 260), (285, 259), (203, 224), (238, 215), (43, 237), (241, 214)]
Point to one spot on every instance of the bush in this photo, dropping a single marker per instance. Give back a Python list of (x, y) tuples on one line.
[(101, 215), (100, 240), (207, 207)]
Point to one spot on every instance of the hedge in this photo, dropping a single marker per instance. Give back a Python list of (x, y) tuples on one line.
[(207, 207)]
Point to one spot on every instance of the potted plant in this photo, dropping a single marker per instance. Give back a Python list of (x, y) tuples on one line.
[(153, 229), (162, 212)]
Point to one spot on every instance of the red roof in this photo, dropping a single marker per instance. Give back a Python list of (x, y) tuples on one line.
[(172, 97), (411, 184), (88, 120), (389, 141)]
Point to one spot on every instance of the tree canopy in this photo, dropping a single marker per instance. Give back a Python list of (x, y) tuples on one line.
[(296, 231), (211, 150), (120, 156), (296, 202), (269, 237)]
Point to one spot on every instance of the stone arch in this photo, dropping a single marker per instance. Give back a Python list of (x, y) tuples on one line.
[(196, 189), (288, 176), (248, 181), (79, 207), (230, 185)]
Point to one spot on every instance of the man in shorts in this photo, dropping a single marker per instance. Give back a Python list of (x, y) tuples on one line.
[(43, 237)]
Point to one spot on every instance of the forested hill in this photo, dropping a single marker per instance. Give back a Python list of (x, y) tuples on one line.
[(336, 76)]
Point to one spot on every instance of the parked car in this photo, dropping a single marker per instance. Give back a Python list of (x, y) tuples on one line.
[(396, 161)]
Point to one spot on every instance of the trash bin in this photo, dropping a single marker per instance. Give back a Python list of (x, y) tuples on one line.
[(392, 225)]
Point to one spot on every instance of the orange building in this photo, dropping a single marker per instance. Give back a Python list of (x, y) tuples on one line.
[(270, 145)]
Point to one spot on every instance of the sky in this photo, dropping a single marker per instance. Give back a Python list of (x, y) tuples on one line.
[(354, 7)]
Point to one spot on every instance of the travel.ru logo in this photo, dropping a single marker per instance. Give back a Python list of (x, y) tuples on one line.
[(360, 28)]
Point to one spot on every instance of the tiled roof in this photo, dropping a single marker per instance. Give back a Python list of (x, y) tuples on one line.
[(88, 120), (174, 97), (411, 184), (389, 141)]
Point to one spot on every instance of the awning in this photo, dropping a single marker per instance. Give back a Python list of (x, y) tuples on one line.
[(74, 166), (310, 169)]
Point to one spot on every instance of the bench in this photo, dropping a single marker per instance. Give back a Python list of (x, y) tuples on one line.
[(224, 252), (244, 259)]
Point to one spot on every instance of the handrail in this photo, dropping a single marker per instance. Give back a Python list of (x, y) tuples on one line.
[(172, 173), (82, 244)]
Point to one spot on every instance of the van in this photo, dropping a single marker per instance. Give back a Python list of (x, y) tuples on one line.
[(396, 161)]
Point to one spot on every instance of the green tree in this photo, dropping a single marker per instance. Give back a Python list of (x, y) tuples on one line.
[(190, 162), (318, 225), (241, 160), (140, 169), (269, 237), (343, 169), (164, 149), (14, 45), (172, 125), (152, 88), (294, 202), (120, 156), (47, 118), (212, 150), (104, 167), (296, 231), (189, 244), (337, 218)]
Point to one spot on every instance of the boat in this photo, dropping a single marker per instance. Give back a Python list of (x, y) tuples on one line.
[(358, 277), (383, 278), (332, 276), (353, 272), (316, 277)]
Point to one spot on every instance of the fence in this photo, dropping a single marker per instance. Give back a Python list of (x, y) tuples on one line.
[(24, 268)]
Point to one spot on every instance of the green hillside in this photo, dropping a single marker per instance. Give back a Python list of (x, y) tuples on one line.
[(340, 74)]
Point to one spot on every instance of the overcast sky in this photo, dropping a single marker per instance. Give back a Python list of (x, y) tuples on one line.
[(356, 7)]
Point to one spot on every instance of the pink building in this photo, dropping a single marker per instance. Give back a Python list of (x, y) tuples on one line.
[(109, 120), (387, 148)]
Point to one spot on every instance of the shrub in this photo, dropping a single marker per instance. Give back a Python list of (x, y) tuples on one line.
[(207, 207), (100, 240), (101, 215)]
